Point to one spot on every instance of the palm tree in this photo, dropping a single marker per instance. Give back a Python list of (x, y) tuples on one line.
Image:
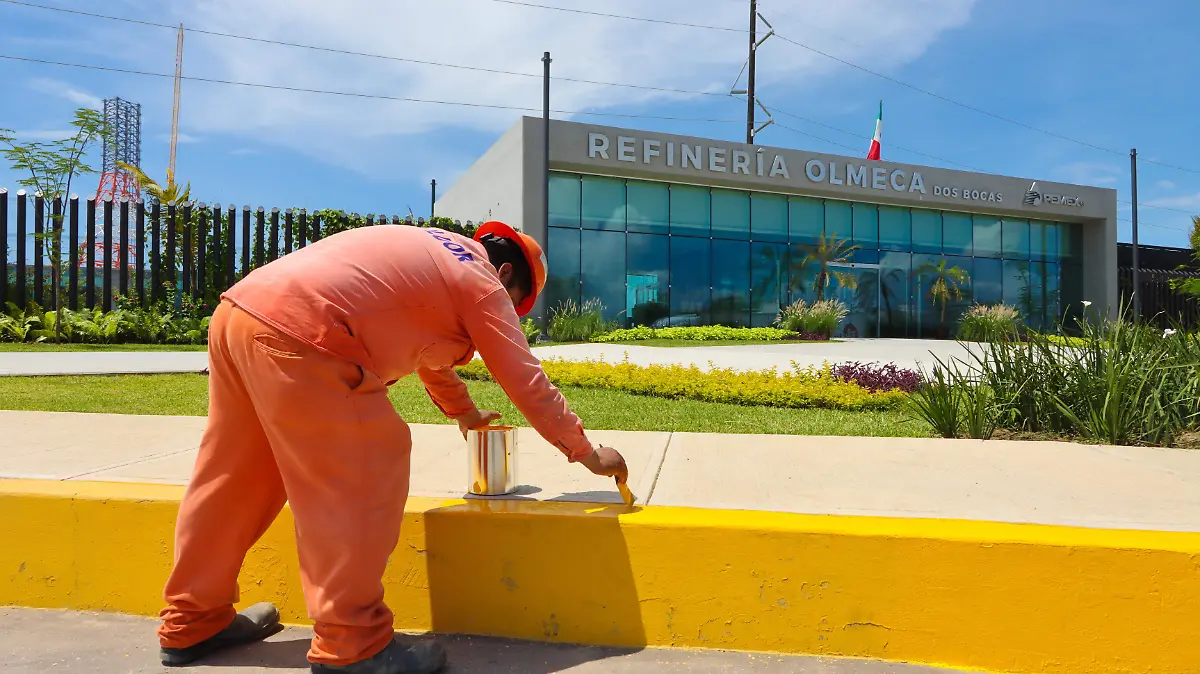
[(948, 283), (827, 251), (165, 195)]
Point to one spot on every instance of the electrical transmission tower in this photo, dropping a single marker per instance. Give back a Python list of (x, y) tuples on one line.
[(124, 144)]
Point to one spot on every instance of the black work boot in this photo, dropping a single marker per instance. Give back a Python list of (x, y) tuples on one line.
[(253, 624), (425, 657)]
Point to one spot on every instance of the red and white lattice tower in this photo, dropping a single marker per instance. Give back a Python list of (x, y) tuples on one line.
[(124, 144)]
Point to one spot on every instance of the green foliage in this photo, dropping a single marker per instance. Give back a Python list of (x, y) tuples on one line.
[(334, 221), (571, 322), (531, 330), (1118, 383), (818, 318), (990, 323), (827, 251), (800, 388), (1194, 235), (948, 283), (711, 333), (127, 323)]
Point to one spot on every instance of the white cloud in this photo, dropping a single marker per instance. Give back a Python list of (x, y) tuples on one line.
[(184, 138), (1166, 184), (44, 135), (349, 131), (244, 152), (1088, 173), (1182, 201), (66, 91)]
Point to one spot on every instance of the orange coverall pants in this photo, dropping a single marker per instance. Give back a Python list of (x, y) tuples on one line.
[(288, 422)]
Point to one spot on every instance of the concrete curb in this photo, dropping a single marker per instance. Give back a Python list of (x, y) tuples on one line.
[(979, 595)]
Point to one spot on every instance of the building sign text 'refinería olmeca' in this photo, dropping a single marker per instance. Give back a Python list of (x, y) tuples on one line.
[(716, 159)]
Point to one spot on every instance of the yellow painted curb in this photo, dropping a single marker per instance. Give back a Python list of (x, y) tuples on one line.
[(1000, 597)]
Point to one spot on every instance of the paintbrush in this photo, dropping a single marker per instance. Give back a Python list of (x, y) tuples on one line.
[(626, 494)]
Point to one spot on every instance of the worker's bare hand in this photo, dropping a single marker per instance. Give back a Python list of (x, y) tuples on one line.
[(475, 419), (607, 462)]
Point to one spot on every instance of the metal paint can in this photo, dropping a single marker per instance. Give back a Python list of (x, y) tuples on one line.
[(492, 454)]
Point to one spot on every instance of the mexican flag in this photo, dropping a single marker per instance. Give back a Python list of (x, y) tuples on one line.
[(874, 152)]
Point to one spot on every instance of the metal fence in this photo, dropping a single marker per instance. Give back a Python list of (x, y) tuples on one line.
[(142, 251), (1161, 304)]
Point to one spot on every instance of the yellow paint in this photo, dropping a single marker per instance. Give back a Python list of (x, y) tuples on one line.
[(999, 597)]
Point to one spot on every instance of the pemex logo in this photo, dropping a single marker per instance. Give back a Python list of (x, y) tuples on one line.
[(1033, 197)]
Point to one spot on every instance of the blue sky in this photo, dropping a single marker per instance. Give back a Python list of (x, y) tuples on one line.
[(1109, 73)]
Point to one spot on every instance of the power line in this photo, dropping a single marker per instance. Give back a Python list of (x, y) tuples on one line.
[(404, 99), (1161, 208), (621, 16)]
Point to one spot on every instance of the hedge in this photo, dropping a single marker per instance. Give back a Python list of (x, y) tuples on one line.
[(801, 388), (709, 333)]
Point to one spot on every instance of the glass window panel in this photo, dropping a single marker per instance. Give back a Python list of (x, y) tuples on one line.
[(895, 293), (928, 316), (1053, 297), (1072, 294), (649, 207), (768, 217), (957, 234), (730, 214), (1037, 240), (1053, 240), (564, 200), (866, 226), (562, 256), (1017, 289), (1035, 298), (896, 229), (768, 282), (1016, 239), (1070, 241), (806, 219), (838, 220), (862, 256), (690, 280), (988, 282), (927, 231), (731, 283), (802, 274), (988, 242), (647, 280), (603, 203), (689, 210), (603, 270)]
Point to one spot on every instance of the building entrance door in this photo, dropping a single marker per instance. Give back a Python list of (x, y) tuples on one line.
[(861, 297)]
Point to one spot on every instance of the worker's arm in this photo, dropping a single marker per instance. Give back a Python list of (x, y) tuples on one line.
[(447, 391), (492, 324)]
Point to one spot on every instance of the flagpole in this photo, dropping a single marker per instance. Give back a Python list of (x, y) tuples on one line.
[(750, 82)]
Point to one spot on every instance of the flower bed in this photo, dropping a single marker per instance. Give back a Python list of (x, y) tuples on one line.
[(800, 388), (712, 333)]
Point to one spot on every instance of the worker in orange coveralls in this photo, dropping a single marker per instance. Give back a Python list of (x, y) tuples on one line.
[(302, 352)]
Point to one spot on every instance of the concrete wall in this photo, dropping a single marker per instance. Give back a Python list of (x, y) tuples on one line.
[(492, 188)]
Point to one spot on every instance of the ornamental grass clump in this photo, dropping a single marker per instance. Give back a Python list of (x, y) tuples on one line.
[(710, 333), (820, 318), (800, 388), (573, 322), (990, 323)]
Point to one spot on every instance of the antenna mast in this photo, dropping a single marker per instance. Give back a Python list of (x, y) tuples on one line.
[(175, 110)]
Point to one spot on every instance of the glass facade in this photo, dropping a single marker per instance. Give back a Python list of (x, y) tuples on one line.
[(657, 253)]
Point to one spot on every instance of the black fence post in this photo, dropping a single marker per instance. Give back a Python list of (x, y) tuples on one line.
[(73, 256), (106, 301), (22, 233), (4, 244), (39, 228), (274, 235), (140, 273), (316, 227), (188, 267), (245, 241), (303, 227), (287, 231), (155, 251), (259, 234), (123, 251), (171, 277), (58, 224), (231, 248), (90, 244), (200, 271), (218, 258)]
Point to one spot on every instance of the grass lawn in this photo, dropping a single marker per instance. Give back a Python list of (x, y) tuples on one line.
[(43, 347), (684, 343), (187, 394)]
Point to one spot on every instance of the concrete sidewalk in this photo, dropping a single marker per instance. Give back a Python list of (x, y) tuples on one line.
[(909, 353), (1019, 482), (34, 641)]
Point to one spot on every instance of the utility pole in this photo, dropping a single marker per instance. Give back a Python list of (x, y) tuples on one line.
[(546, 151), (1137, 277), (432, 197), (750, 77), (175, 108)]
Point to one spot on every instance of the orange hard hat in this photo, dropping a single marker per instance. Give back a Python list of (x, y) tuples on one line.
[(533, 255)]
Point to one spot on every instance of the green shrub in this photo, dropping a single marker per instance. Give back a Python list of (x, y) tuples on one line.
[(531, 330), (128, 323), (801, 388), (571, 322), (711, 333), (990, 323), (821, 318)]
